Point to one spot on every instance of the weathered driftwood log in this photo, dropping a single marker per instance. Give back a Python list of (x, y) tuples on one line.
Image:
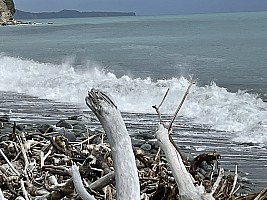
[(103, 182), (184, 180), (126, 176)]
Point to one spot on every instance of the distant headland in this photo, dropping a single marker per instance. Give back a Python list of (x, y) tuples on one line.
[(67, 14)]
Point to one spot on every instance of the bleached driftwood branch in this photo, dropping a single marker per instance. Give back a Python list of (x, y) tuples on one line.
[(78, 184), (187, 189), (184, 180), (217, 182), (102, 182), (126, 176)]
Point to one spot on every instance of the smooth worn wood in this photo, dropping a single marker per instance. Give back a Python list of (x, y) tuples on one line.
[(78, 184), (126, 176), (103, 182), (184, 180)]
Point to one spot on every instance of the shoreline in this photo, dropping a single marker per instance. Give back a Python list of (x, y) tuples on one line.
[(48, 113), (75, 131), (22, 23)]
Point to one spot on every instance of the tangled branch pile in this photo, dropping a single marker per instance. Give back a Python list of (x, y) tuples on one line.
[(36, 165)]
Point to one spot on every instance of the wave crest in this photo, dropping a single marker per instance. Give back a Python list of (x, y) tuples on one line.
[(210, 104)]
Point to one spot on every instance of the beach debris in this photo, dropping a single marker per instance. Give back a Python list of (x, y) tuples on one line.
[(191, 184), (39, 164)]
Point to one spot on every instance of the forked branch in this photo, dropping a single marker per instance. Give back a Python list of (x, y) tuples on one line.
[(157, 107)]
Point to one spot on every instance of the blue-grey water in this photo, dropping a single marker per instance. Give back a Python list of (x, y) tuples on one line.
[(136, 59), (229, 49)]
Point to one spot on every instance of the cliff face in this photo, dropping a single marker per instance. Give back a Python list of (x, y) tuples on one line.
[(7, 9), (10, 5)]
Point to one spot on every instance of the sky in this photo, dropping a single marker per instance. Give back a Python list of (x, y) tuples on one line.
[(144, 7)]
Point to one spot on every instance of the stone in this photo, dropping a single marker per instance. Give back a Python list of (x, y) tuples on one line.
[(20, 127), (187, 155), (75, 117), (154, 143), (146, 147), (79, 127), (70, 135), (137, 142), (6, 128), (4, 118), (45, 128), (202, 171), (64, 123), (148, 136), (144, 135), (204, 165)]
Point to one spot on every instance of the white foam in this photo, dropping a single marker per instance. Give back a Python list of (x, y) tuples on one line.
[(211, 104)]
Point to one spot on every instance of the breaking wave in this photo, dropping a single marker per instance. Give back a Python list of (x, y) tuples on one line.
[(240, 112)]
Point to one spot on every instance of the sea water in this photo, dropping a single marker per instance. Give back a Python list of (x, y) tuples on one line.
[(136, 59)]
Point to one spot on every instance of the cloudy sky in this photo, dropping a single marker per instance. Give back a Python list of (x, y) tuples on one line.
[(144, 7)]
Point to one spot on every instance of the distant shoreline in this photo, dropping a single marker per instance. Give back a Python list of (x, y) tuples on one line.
[(67, 14)]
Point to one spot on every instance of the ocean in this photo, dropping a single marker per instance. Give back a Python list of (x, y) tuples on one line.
[(136, 59)]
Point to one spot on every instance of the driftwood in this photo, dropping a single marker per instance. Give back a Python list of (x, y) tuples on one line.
[(34, 167), (78, 184), (126, 176), (106, 180), (45, 165), (190, 187), (184, 180), (51, 180)]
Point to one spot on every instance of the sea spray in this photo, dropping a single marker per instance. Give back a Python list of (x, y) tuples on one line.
[(211, 105)]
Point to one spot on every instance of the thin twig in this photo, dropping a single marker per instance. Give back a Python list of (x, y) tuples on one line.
[(235, 181), (86, 140), (238, 187), (14, 131), (180, 105), (157, 157), (217, 182), (261, 194), (157, 107), (24, 191), (24, 154), (164, 97), (213, 169)]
